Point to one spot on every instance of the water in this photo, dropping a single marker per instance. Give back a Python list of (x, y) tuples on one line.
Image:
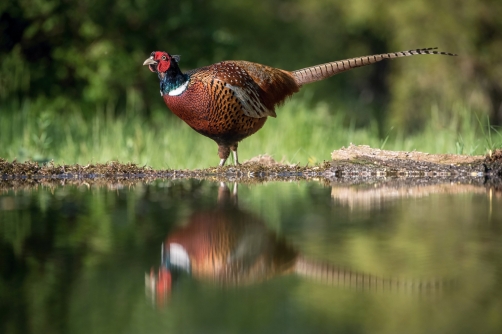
[(202, 257)]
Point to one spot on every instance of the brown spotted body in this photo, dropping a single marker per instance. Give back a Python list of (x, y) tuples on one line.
[(230, 247), (231, 100)]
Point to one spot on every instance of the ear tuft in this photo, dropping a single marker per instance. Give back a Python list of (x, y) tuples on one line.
[(177, 58)]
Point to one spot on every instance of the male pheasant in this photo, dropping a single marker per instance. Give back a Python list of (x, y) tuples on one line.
[(233, 247), (230, 100)]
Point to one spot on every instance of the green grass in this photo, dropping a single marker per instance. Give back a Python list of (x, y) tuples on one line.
[(298, 135)]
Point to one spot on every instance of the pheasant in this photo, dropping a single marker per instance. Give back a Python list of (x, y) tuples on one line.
[(232, 247), (231, 100)]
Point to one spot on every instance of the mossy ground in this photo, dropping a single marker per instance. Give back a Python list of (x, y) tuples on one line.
[(354, 162)]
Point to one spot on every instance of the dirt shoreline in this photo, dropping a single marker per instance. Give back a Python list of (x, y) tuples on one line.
[(356, 163)]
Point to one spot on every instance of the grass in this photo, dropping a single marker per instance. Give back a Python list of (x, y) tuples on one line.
[(298, 135)]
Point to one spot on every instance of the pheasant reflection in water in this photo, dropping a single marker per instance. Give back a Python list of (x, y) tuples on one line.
[(233, 247)]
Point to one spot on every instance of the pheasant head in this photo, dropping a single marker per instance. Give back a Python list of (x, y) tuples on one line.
[(161, 62), (166, 66)]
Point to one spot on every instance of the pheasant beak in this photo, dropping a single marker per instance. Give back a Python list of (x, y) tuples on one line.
[(151, 63)]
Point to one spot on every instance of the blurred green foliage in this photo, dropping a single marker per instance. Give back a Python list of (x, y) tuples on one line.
[(87, 55), (165, 143)]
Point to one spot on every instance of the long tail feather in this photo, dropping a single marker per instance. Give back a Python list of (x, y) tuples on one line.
[(323, 71), (334, 276)]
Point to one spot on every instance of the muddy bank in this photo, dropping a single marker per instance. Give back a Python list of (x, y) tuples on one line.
[(362, 160), (352, 164)]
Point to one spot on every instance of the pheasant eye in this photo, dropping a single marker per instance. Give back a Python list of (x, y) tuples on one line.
[(163, 57)]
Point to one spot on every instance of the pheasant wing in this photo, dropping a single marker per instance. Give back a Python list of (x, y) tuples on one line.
[(242, 86), (258, 88)]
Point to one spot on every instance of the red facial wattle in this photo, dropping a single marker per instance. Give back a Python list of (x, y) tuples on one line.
[(163, 66), (163, 281), (163, 60), (163, 284)]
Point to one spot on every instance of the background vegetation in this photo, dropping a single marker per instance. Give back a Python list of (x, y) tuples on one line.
[(64, 61)]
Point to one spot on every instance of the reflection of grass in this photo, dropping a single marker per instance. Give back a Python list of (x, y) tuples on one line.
[(299, 134)]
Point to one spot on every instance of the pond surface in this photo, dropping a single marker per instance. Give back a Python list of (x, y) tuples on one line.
[(300, 257)]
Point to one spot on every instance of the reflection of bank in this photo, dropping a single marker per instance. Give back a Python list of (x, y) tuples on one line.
[(232, 247), (366, 196)]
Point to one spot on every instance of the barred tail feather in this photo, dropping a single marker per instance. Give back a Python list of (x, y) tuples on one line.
[(323, 71), (334, 276)]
